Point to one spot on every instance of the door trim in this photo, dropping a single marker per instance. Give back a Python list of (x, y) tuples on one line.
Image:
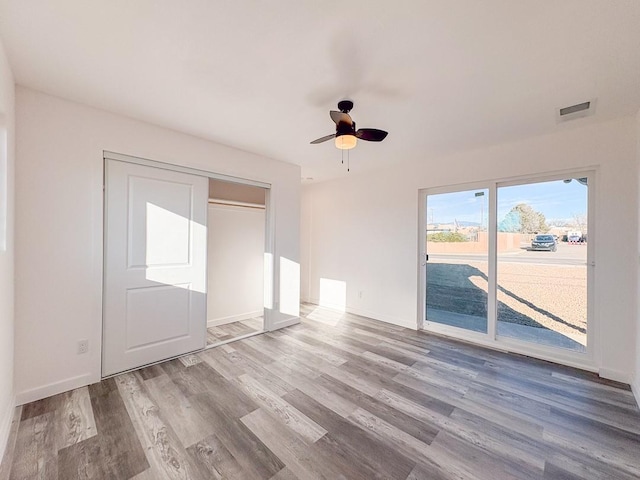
[(107, 155)]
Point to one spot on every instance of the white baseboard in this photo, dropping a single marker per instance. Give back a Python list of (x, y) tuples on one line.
[(369, 314), (400, 322), (54, 388), (616, 375), (5, 426), (216, 322)]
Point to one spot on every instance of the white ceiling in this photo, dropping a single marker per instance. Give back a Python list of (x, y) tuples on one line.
[(439, 75)]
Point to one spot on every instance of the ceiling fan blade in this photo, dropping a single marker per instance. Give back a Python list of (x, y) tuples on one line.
[(324, 139), (371, 134), (340, 117)]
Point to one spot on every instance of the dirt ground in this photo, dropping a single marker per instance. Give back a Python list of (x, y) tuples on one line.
[(543, 296)]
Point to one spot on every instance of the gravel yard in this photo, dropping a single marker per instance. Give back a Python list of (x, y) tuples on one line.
[(553, 297)]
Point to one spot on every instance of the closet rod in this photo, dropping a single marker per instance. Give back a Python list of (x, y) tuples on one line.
[(216, 201)]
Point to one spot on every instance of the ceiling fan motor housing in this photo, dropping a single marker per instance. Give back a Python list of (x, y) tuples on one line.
[(345, 106), (345, 129)]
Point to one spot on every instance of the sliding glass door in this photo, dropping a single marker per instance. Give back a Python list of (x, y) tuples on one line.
[(542, 262), (457, 246), (510, 262)]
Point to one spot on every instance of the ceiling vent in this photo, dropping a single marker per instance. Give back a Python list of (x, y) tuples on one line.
[(578, 110)]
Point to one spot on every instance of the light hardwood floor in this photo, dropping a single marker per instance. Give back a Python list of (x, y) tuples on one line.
[(233, 330), (337, 397)]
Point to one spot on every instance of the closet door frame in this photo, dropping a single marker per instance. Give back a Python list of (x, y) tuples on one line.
[(270, 270)]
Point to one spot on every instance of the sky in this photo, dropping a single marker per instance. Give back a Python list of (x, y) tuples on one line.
[(556, 200)]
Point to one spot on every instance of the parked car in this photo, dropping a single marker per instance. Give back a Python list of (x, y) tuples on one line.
[(574, 237), (544, 242)]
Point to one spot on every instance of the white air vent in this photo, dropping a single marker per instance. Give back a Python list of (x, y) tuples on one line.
[(579, 110)]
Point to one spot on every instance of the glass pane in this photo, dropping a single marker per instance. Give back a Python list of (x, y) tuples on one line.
[(457, 245), (542, 263)]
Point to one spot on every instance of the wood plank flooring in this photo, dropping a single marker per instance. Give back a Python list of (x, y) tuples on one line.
[(337, 397), (233, 330)]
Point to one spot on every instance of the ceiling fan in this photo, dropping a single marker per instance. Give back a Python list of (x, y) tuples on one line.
[(346, 136)]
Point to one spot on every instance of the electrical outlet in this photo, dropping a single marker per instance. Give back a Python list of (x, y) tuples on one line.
[(360, 294), (83, 346)]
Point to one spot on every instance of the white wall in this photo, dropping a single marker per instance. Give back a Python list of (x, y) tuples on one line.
[(363, 229), (636, 383), (59, 231), (235, 253), (7, 154)]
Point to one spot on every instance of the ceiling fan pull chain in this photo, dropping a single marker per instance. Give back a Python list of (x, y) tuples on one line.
[(348, 157), (343, 156)]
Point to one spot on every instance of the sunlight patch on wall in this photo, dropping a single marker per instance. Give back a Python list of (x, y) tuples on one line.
[(333, 294), (289, 287)]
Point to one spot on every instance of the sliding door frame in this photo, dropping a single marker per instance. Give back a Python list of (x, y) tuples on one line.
[(269, 245), (590, 359), (423, 322)]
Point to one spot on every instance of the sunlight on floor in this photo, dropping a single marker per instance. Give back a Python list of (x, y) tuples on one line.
[(326, 316)]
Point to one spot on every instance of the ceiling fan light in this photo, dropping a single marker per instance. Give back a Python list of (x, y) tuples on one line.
[(346, 142)]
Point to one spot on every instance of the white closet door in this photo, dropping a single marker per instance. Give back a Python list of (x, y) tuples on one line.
[(155, 265)]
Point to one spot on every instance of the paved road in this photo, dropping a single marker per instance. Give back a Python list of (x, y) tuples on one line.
[(566, 255)]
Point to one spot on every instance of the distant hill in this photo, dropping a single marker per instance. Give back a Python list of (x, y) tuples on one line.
[(463, 223)]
